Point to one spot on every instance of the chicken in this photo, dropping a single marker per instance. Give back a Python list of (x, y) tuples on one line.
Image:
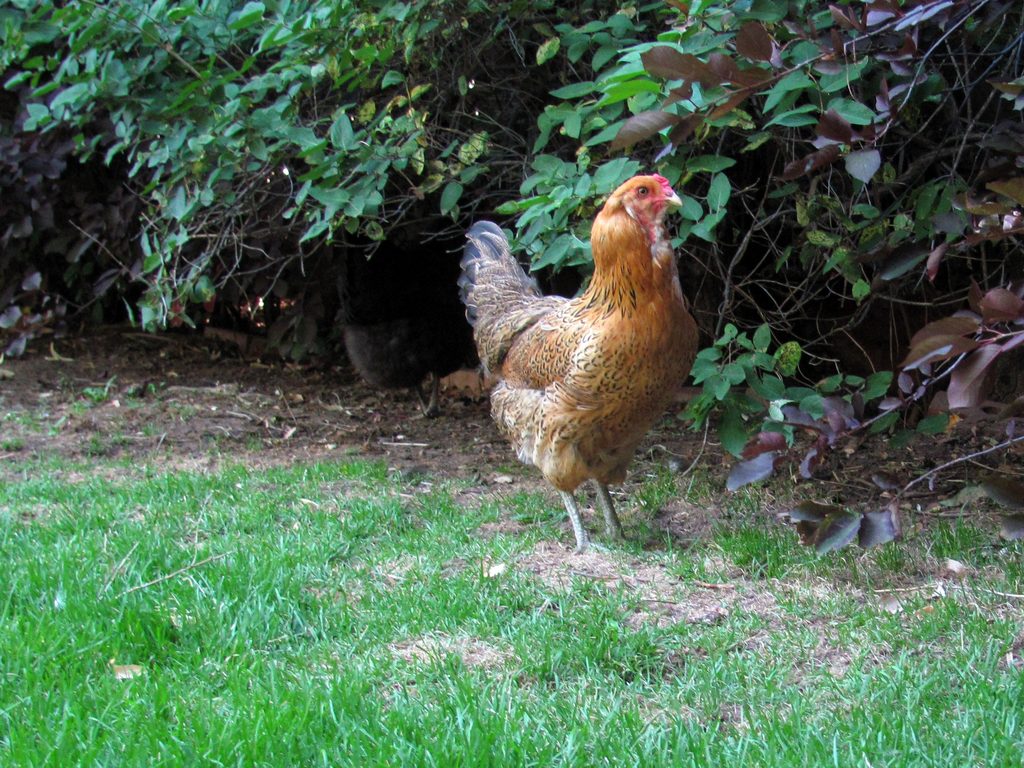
[(580, 381), (405, 351), (402, 319)]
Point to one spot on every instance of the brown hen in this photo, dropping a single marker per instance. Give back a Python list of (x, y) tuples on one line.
[(580, 381)]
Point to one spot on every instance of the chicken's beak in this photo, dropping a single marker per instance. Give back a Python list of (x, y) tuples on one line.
[(673, 201)]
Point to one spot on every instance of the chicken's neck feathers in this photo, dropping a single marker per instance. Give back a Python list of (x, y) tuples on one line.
[(632, 262)]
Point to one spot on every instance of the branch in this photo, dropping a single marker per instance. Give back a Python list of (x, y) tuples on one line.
[(173, 574), (961, 459)]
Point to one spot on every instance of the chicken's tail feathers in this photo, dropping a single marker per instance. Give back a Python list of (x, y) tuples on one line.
[(491, 276), (501, 299)]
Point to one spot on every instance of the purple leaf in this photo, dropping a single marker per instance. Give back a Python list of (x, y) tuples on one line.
[(864, 164), (968, 378), (935, 348), (754, 42), (812, 511), (665, 61), (812, 162), (763, 442), (931, 268), (879, 527), (32, 282), (642, 126), (746, 472), (1001, 305), (10, 316), (836, 531), (835, 127), (811, 461), (947, 326)]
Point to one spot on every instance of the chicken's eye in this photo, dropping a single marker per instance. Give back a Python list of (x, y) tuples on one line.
[(643, 191)]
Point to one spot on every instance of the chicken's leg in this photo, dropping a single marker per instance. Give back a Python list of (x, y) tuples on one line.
[(582, 540), (612, 526), (430, 407)]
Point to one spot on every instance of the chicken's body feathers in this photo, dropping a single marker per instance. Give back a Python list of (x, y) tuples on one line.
[(582, 380)]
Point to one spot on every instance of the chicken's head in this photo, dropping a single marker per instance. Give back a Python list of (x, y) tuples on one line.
[(645, 199)]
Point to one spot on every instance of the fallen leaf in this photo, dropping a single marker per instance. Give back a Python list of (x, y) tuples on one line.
[(126, 671), (954, 568), (496, 570), (885, 480), (891, 604), (503, 479)]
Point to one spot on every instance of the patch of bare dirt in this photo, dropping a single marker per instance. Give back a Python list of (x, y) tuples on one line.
[(663, 598), (473, 652)]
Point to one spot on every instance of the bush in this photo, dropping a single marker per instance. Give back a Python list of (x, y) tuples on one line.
[(264, 141)]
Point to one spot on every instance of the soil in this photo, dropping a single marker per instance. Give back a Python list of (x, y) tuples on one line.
[(194, 401)]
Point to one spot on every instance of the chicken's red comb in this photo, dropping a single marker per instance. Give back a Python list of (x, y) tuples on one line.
[(665, 186)]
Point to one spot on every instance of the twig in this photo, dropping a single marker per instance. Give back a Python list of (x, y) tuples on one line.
[(712, 585), (954, 462), (173, 574), (392, 444), (1001, 594), (116, 570)]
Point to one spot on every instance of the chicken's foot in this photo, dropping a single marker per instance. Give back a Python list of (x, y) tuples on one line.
[(582, 540), (430, 407), (612, 526)]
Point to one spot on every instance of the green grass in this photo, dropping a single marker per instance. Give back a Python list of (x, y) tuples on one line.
[(272, 611)]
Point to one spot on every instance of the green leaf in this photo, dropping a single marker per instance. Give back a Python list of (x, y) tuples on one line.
[(791, 82), (450, 196), (548, 49), (613, 173), (876, 385), (756, 141), (709, 163), (732, 431), (38, 115), (251, 13), (813, 406), (788, 356), (574, 90), (884, 423), (392, 77), (861, 289), (794, 118), (691, 209), (718, 385), (719, 192), (177, 205), (332, 198), (840, 81), (822, 239), (852, 111), (341, 134), (933, 425), (473, 148), (762, 337)]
